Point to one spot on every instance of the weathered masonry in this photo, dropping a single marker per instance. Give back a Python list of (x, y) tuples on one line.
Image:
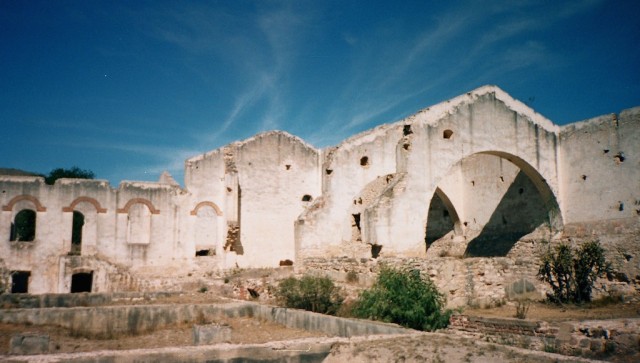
[(477, 183)]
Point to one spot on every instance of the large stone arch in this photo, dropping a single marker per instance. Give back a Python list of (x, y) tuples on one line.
[(524, 202)]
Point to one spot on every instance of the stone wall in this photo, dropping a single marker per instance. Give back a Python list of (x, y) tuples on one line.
[(594, 339)]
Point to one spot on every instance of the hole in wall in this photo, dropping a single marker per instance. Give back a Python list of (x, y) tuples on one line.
[(288, 166), (205, 252), (406, 130), (606, 151), (621, 206), (473, 183), (81, 282), (253, 293), (328, 171), (286, 262), (306, 198), (229, 189), (584, 177), (364, 161), (406, 146), (501, 179), (445, 213), (356, 221), (521, 191), (619, 158), (375, 250), (447, 134)]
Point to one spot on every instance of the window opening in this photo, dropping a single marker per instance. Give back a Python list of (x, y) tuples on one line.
[(81, 282), (76, 233), (23, 227), (20, 282)]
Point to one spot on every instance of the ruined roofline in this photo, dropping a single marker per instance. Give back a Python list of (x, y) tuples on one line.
[(598, 120), (238, 144), (433, 114)]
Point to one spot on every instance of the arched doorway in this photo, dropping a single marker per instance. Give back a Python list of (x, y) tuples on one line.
[(442, 218)]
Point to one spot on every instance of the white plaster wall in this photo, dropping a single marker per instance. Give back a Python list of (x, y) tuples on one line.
[(482, 122), (275, 171), (594, 182)]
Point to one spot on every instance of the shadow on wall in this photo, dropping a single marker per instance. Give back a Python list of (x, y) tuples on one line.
[(519, 213), (440, 222)]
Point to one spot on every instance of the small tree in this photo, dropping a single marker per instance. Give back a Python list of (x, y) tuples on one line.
[(572, 274), (404, 297), (317, 294), (73, 172)]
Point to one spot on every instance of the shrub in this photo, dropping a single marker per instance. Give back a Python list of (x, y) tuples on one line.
[(317, 294), (404, 297), (572, 274)]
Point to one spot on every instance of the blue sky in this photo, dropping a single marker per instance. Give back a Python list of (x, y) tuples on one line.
[(128, 89)]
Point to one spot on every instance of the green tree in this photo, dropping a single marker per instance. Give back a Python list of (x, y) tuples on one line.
[(572, 274), (73, 172), (317, 294), (404, 297)]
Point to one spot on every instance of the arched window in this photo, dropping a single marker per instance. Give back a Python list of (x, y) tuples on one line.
[(139, 228), (23, 227), (206, 231), (76, 233)]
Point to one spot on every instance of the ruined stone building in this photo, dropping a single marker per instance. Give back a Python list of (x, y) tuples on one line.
[(468, 190)]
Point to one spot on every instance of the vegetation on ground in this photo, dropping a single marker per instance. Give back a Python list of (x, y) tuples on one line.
[(404, 297), (572, 273), (312, 293)]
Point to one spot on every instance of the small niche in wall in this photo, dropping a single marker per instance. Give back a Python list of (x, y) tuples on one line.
[(447, 134), (307, 198), (406, 130), (621, 206), (406, 146), (328, 171), (364, 161), (287, 166), (205, 252)]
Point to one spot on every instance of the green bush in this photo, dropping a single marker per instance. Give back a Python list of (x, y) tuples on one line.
[(404, 297), (317, 294), (572, 274)]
